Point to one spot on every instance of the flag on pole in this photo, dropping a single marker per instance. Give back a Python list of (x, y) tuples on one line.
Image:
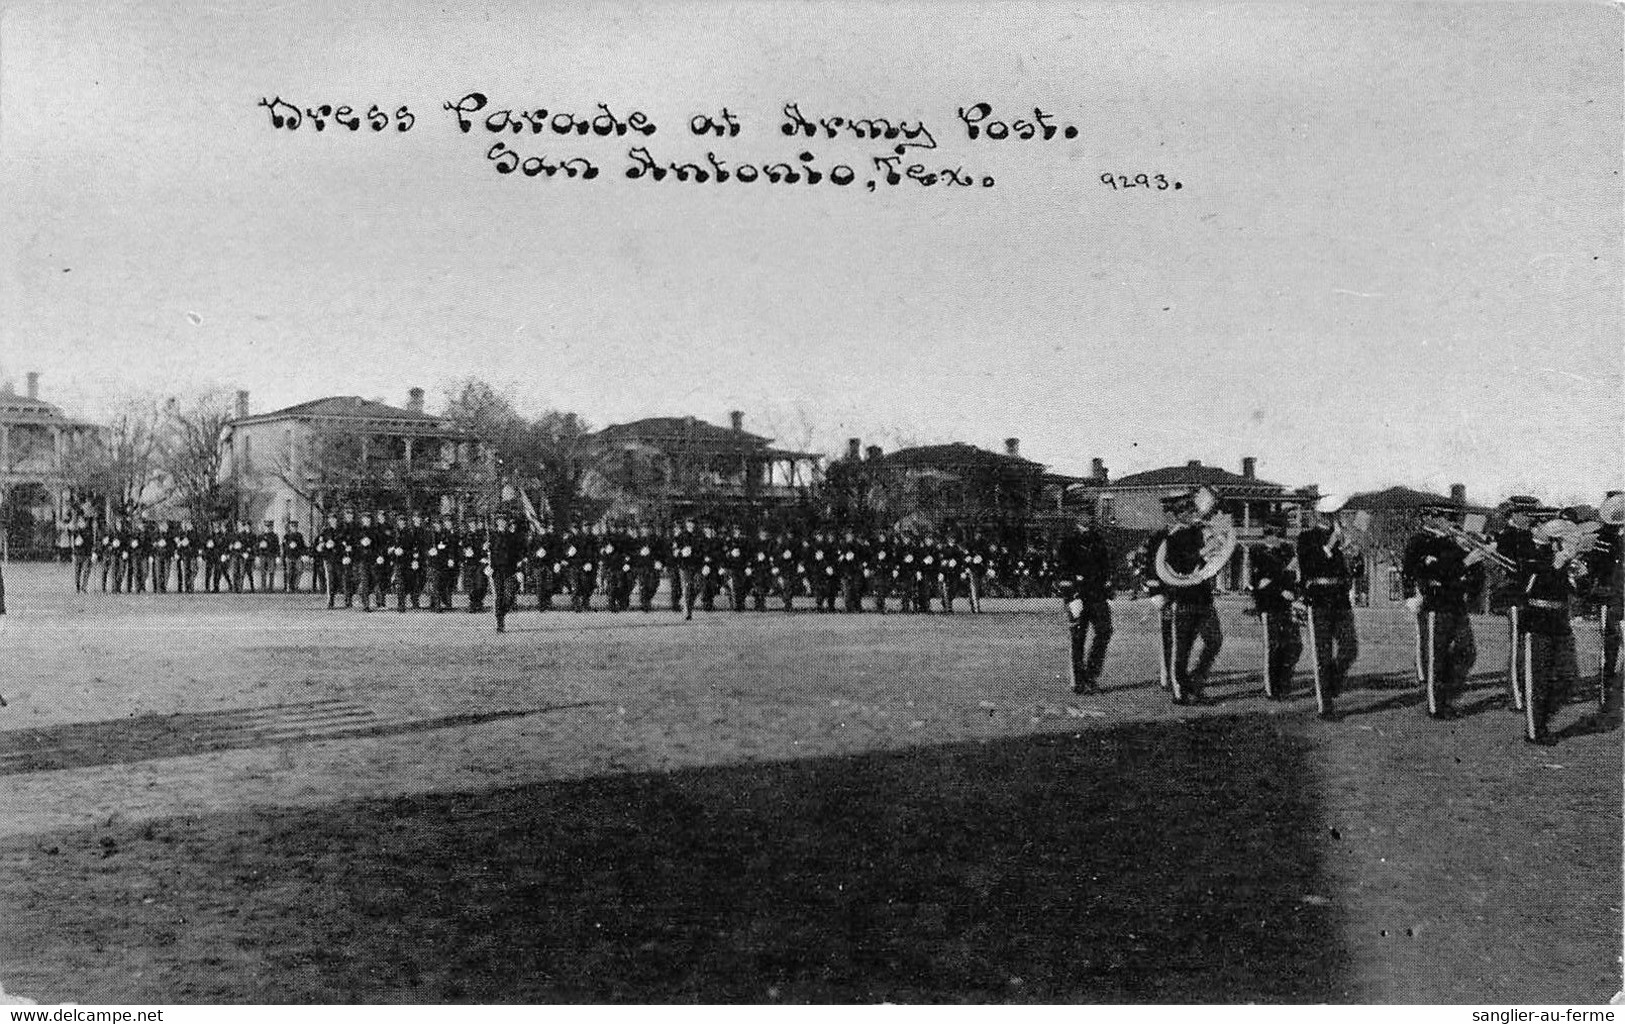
[(530, 511)]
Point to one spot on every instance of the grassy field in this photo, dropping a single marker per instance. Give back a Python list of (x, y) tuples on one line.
[(219, 798)]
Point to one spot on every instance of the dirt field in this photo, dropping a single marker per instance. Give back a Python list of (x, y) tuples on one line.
[(216, 798)]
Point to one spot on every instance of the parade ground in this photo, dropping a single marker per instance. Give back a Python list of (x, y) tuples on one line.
[(253, 799)]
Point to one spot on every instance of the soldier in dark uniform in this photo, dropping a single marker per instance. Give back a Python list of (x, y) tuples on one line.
[(241, 555), (163, 550), (649, 564), (330, 555), (209, 555), (952, 569), (688, 553), (366, 560), (187, 548), (1439, 577), (139, 548), (1516, 542), (267, 552), (880, 573), (442, 565), (674, 572), (585, 565), (710, 567), (1084, 582), (107, 553), (405, 561), (978, 560), (787, 565), (541, 566), (927, 568), (759, 570), (736, 560), (476, 553), (853, 561), (1275, 588), (614, 559), (1326, 581), (906, 551), (1605, 577), (507, 549), (294, 554), (1549, 667), (82, 541), (1188, 615), (822, 572)]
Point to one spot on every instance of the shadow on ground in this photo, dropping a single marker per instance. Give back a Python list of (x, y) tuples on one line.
[(148, 737), (1154, 862)]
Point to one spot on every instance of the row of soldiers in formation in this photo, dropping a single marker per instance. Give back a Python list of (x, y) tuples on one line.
[(1306, 582), (370, 556)]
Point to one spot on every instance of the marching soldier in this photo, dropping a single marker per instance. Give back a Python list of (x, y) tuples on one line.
[(821, 571), (1275, 587), (331, 556), (854, 567), (367, 559), (1516, 541), (405, 560), (674, 572), (1604, 574), (710, 567), (1547, 638), (1084, 582), (1326, 581), (951, 570), (1187, 611), (1439, 576), (108, 552), (442, 565), (688, 552), (649, 564), (384, 575), (978, 560), (787, 560), (507, 550), (187, 546), (136, 551), (540, 566), (476, 553), (240, 555), (926, 570), (759, 572), (295, 552), (736, 562), (584, 568), (906, 571), (881, 572), (82, 540), (163, 550), (267, 552), (209, 553), (614, 557)]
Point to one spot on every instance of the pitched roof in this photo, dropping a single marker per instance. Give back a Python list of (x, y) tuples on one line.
[(15, 408), (957, 455), (344, 407), (685, 429), (1198, 475), (1402, 498)]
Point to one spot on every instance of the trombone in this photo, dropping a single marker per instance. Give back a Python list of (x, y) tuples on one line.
[(1472, 543)]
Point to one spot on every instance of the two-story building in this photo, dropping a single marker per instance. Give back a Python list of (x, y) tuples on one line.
[(1378, 525), (664, 467), (36, 499), (1133, 504), (298, 463)]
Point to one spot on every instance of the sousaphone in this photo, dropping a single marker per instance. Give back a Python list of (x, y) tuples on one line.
[(1218, 545)]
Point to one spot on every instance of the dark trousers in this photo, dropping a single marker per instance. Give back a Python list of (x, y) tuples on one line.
[(1336, 646), (1182, 626), (852, 593), (541, 582), (1550, 672), (648, 585), (1613, 673), (81, 573), (738, 589), (291, 573), (692, 583), (475, 583), (881, 590), (1091, 632), (674, 578), (1445, 653), (334, 570), (160, 575), (787, 585), (582, 583), (186, 574), (1283, 645)]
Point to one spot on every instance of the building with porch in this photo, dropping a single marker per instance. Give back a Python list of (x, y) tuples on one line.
[(1133, 504), (298, 463), (664, 467), (36, 499)]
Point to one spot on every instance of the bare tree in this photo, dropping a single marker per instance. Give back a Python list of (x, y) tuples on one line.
[(193, 456), (122, 464), (548, 454)]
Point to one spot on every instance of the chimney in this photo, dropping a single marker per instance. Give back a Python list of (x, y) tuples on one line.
[(242, 405), (1194, 464), (1012, 446), (853, 446), (33, 385), (1458, 493), (1249, 467), (737, 418), (1097, 470), (872, 452), (414, 400)]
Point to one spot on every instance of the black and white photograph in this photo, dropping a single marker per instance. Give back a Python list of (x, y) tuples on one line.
[(807, 502)]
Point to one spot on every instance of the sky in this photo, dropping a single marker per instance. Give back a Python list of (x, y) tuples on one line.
[(1394, 255)]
